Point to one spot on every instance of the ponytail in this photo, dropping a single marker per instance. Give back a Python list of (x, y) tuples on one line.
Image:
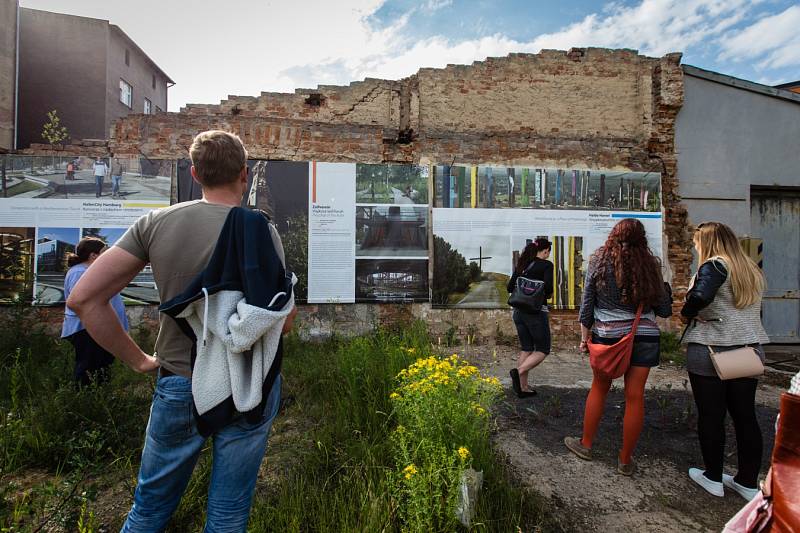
[(529, 253), (86, 247)]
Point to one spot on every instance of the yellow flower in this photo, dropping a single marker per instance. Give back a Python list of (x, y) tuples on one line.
[(394, 396), (401, 429), (411, 350), (409, 471), (463, 453)]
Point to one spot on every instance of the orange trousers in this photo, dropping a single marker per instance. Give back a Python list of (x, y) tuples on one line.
[(635, 381)]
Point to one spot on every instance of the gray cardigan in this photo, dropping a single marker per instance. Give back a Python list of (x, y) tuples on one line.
[(722, 324)]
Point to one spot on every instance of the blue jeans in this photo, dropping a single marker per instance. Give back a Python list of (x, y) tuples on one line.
[(115, 184), (171, 449), (98, 186)]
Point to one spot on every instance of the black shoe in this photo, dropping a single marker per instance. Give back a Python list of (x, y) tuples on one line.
[(526, 394), (515, 381)]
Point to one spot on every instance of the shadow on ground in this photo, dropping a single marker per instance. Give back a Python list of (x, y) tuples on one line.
[(591, 495)]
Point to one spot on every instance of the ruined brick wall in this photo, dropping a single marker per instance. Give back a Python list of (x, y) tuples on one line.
[(589, 108)]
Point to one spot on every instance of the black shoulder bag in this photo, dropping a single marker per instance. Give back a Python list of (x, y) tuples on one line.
[(528, 294)]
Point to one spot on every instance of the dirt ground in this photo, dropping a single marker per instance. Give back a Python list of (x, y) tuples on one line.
[(591, 496)]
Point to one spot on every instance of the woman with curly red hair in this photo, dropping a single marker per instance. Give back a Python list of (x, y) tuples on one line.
[(622, 275)]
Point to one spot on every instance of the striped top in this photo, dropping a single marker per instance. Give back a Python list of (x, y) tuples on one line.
[(602, 309)]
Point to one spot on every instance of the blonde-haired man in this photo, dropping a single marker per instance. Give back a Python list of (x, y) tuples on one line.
[(178, 242)]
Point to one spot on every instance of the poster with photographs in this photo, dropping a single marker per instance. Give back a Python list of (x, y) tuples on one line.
[(47, 204), (368, 232), (391, 233), (493, 187), (484, 217)]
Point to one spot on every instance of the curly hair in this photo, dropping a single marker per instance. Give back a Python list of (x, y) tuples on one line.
[(626, 257)]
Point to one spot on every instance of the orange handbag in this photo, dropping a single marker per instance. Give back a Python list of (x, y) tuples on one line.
[(612, 361)]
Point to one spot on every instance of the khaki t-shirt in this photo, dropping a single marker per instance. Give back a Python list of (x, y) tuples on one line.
[(178, 241)]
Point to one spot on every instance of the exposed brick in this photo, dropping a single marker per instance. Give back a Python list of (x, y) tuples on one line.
[(589, 107)]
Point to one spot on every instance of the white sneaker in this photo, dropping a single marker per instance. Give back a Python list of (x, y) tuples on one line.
[(744, 492), (713, 487)]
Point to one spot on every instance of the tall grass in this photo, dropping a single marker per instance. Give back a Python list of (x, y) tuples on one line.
[(330, 466), (69, 435)]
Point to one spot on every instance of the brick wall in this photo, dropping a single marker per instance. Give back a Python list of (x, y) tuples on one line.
[(588, 107)]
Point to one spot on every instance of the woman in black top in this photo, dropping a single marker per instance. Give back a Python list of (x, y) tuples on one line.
[(533, 328)]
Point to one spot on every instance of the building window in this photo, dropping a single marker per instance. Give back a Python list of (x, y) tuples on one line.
[(125, 93), (127, 57), (154, 81), (148, 107)]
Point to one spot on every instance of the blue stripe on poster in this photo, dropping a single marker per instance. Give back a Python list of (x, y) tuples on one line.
[(636, 215)]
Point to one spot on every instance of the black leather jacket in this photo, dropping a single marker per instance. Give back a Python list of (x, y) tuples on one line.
[(710, 277)]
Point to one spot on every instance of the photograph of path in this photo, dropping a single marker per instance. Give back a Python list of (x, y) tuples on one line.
[(391, 184), (471, 271)]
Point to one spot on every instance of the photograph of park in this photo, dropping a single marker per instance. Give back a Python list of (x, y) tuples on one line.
[(16, 264), (392, 231), (135, 178), (391, 280), (391, 184), (545, 188)]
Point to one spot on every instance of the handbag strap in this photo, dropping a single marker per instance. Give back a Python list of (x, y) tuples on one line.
[(636, 320)]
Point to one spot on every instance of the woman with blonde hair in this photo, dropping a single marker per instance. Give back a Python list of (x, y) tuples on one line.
[(722, 313)]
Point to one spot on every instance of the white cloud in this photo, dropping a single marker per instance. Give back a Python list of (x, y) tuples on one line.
[(654, 27), (246, 47), (774, 39), (436, 5)]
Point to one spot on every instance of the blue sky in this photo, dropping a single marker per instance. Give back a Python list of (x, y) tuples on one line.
[(247, 46)]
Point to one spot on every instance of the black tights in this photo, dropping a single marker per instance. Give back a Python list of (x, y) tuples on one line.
[(738, 397)]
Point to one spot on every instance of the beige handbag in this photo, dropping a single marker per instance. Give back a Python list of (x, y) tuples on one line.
[(739, 363)]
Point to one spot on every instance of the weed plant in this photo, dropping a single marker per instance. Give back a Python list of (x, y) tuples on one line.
[(69, 434), (338, 472)]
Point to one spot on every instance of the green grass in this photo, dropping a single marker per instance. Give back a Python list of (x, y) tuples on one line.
[(63, 451), (671, 349), (23, 187)]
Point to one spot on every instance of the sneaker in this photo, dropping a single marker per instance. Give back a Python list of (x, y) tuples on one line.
[(741, 490), (574, 445), (626, 469), (713, 487)]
